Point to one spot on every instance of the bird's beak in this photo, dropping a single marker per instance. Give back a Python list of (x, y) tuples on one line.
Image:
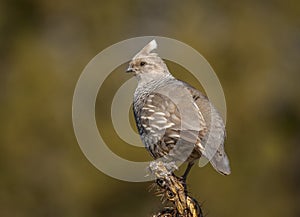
[(129, 70)]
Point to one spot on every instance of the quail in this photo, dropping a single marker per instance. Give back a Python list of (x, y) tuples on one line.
[(175, 121)]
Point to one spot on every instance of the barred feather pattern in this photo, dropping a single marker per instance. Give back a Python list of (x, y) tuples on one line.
[(159, 121)]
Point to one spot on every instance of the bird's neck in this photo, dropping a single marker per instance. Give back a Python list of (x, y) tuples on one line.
[(152, 80), (145, 87)]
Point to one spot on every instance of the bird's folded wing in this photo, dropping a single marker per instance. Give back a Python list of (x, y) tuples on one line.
[(173, 115)]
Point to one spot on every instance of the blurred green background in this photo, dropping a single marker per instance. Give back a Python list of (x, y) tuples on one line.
[(254, 47)]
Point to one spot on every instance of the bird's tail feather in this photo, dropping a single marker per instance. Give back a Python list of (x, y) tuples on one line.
[(221, 164)]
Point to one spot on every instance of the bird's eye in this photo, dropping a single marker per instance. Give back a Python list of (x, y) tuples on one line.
[(142, 63)]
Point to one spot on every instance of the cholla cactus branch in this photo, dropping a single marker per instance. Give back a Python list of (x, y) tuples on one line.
[(172, 189)]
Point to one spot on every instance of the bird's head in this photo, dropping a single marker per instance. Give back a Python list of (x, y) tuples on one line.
[(147, 65)]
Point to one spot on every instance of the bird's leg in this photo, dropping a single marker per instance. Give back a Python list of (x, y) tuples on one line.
[(183, 178), (188, 169)]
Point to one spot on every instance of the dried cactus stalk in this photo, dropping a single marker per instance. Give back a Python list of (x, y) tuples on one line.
[(173, 190)]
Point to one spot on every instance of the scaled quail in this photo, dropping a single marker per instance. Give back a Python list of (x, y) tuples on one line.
[(175, 120)]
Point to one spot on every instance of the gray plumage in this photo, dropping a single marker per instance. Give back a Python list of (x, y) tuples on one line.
[(173, 118)]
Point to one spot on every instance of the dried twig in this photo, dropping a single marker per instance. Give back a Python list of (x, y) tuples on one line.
[(173, 190)]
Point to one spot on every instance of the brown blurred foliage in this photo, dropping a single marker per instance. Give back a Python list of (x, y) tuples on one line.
[(254, 48)]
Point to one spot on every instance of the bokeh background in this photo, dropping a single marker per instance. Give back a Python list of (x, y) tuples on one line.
[(254, 47)]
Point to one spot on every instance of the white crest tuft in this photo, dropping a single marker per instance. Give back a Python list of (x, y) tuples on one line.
[(152, 45)]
